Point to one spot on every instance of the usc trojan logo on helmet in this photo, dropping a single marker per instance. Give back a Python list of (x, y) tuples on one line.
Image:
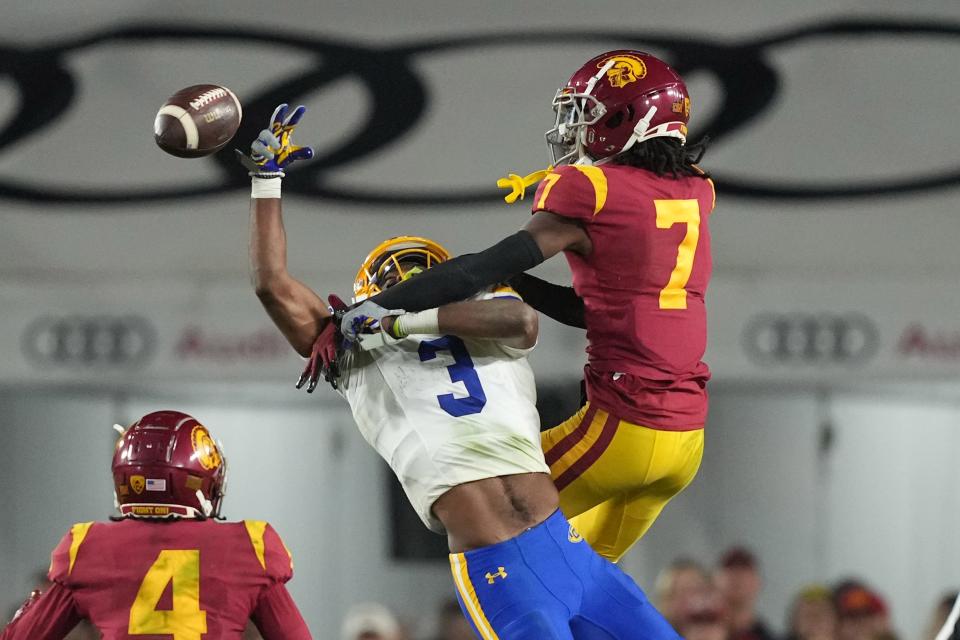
[(205, 449), (625, 69)]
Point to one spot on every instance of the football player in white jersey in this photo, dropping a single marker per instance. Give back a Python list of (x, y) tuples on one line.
[(448, 400)]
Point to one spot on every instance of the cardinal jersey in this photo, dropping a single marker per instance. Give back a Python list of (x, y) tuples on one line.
[(182, 579), (643, 286), (443, 411)]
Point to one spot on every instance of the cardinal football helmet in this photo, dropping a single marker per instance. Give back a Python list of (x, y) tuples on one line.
[(167, 465), (614, 101), (385, 261)]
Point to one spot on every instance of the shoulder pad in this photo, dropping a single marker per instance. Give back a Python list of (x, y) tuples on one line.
[(271, 552), (574, 191), (64, 556)]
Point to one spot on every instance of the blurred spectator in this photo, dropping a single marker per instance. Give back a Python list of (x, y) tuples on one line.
[(939, 618), (812, 615), (862, 613), (452, 624), (370, 621), (739, 582), (677, 586), (705, 617)]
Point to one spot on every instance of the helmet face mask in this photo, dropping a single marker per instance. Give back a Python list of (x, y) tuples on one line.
[(574, 112), (390, 262), (616, 100)]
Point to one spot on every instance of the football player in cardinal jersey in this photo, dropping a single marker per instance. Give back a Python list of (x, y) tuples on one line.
[(450, 406), (166, 568), (629, 208)]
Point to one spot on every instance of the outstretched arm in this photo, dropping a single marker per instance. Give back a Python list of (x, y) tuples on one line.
[(545, 235), (297, 311)]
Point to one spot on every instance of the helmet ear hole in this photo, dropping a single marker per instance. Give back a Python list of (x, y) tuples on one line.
[(631, 114), (615, 120)]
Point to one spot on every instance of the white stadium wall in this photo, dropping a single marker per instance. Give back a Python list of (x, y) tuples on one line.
[(123, 284)]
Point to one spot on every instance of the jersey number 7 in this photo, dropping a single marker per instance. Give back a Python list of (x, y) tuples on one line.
[(669, 213), (185, 621)]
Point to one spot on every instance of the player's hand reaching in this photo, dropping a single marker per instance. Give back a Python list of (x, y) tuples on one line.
[(326, 350), (274, 150), (364, 318)]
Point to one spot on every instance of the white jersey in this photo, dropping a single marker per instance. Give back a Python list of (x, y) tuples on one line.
[(443, 411)]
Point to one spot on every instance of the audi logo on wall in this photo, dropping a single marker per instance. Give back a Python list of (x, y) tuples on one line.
[(818, 339), (745, 70), (89, 341)]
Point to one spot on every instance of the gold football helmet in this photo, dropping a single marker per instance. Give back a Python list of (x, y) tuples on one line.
[(388, 259)]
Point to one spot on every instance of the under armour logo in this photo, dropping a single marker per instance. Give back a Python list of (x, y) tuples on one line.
[(491, 577)]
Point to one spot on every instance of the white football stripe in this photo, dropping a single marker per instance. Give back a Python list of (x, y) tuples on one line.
[(189, 126), (236, 101)]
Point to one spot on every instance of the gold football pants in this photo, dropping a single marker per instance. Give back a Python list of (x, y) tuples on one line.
[(615, 477)]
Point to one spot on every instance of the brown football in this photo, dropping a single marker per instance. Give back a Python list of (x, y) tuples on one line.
[(197, 121)]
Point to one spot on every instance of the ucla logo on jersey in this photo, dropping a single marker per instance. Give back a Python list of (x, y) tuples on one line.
[(573, 535), (492, 577), (137, 483), (625, 69)]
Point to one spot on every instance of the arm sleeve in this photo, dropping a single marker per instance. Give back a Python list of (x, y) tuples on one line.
[(560, 303), (277, 616), (463, 276), (50, 617)]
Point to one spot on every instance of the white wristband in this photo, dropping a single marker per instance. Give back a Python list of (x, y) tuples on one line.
[(422, 322), (265, 187)]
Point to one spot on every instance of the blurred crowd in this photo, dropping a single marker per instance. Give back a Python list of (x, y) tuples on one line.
[(711, 603), (720, 603)]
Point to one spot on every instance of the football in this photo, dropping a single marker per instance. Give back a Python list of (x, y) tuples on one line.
[(197, 121)]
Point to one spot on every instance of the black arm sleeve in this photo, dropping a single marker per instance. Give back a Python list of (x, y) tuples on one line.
[(560, 303), (463, 276)]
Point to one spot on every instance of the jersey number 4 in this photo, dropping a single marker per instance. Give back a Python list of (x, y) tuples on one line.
[(185, 620), (669, 213), (462, 370)]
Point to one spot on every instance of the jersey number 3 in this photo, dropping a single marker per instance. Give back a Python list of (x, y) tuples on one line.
[(185, 620), (462, 370), (669, 213)]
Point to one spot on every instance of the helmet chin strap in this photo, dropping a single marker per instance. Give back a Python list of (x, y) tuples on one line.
[(640, 129), (599, 74), (582, 157), (205, 505)]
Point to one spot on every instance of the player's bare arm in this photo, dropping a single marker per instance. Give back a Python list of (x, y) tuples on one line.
[(297, 310), (554, 234), (508, 321)]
